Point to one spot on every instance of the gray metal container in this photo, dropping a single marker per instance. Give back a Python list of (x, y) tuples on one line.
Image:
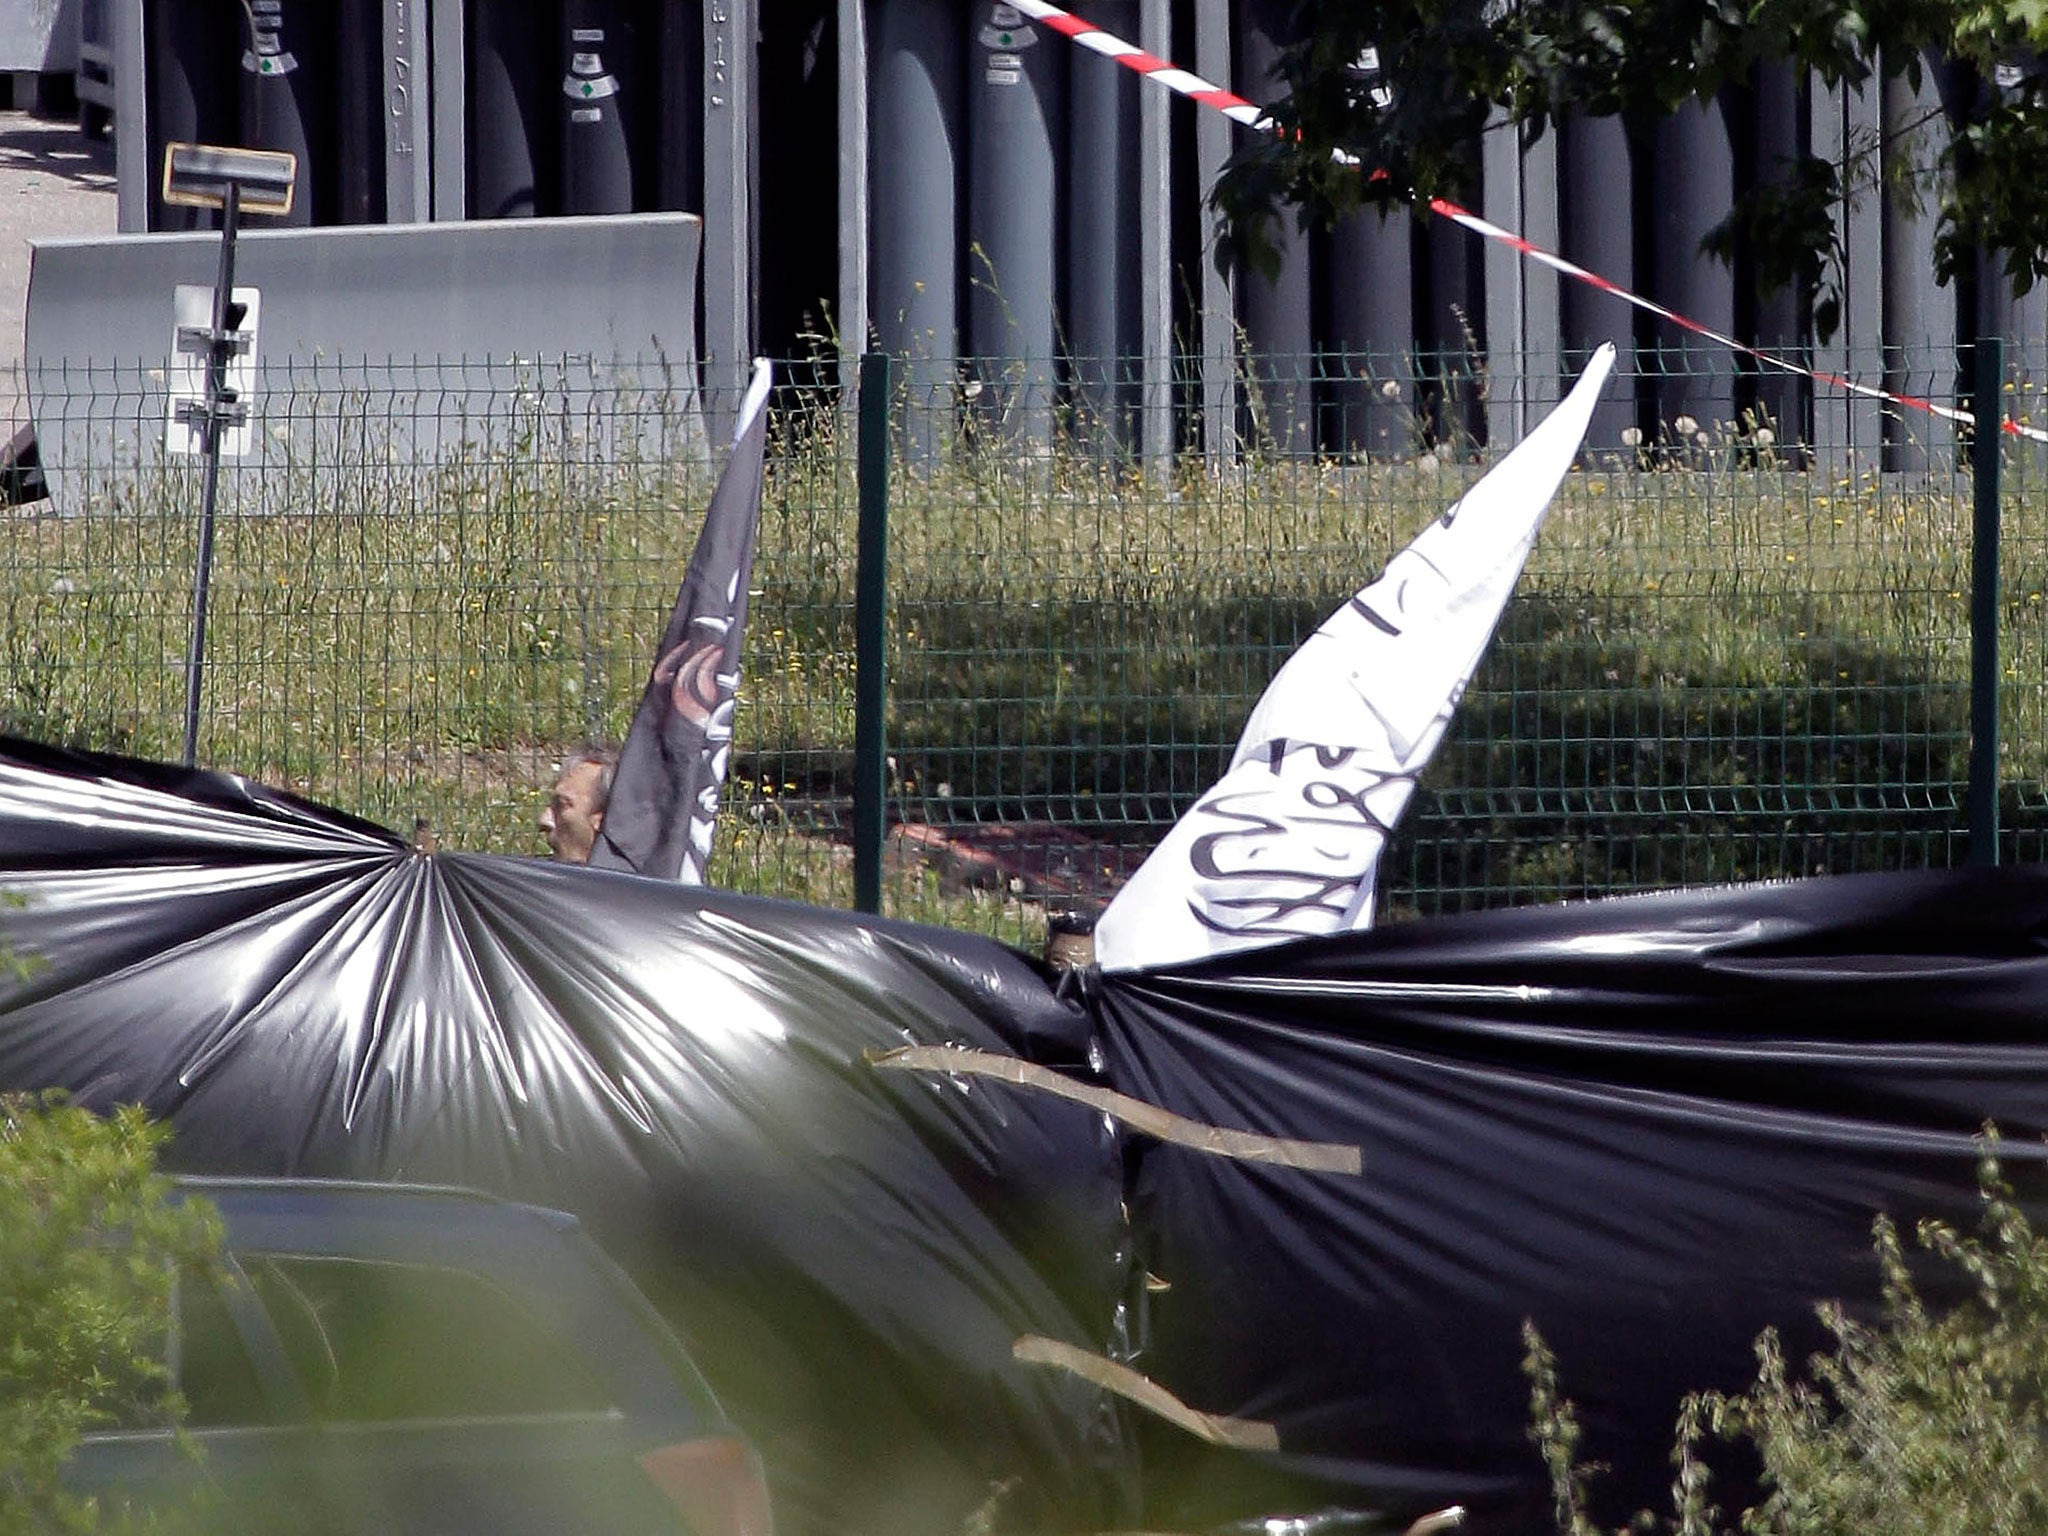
[(1103, 244), (1372, 333), (506, 72), (1278, 331), (288, 70), (597, 164), (1693, 147), (1015, 117), (917, 96), (1596, 218)]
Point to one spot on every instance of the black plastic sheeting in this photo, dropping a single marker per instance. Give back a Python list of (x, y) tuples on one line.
[(1653, 1124), (848, 1253)]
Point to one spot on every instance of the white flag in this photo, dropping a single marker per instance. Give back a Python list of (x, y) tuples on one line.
[(1285, 845)]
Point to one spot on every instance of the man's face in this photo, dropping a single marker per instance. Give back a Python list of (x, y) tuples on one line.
[(572, 818)]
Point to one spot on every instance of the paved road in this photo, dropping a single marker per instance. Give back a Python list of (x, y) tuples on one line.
[(54, 182)]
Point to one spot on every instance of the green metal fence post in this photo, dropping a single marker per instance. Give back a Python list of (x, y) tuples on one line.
[(1988, 408), (870, 619)]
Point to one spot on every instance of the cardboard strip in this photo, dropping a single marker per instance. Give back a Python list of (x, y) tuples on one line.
[(1443, 1520), (1215, 1428), (1246, 1146)]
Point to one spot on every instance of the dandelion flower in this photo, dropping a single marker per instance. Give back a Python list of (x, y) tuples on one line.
[(1685, 426), (1631, 437)]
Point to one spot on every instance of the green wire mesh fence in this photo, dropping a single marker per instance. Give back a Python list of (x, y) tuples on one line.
[(1741, 648)]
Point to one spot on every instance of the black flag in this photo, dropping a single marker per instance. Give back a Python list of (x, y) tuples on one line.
[(664, 797)]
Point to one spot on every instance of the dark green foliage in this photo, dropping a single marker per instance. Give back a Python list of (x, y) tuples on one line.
[(1446, 64), (1926, 1422), (89, 1241)]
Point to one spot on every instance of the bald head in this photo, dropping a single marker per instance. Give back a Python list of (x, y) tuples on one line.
[(575, 810)]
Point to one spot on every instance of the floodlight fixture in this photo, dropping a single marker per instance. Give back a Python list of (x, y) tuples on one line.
[(201, 176)]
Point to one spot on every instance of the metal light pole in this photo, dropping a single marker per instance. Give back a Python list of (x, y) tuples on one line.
[(208, 176)]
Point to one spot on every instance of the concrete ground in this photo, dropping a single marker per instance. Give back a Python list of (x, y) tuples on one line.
[(54, 182)]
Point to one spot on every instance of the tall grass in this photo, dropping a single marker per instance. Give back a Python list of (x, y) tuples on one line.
[(1721, 663)]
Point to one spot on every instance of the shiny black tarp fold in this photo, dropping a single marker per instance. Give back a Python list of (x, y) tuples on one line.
[(849, 1253), (1654, 1125)]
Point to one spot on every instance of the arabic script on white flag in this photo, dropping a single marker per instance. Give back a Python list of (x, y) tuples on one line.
[(1286, 844)]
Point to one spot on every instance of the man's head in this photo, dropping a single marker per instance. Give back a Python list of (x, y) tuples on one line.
[(575, 811), (1070, 939)]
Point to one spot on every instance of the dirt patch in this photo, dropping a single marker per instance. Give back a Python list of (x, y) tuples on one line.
[(1037, 860)]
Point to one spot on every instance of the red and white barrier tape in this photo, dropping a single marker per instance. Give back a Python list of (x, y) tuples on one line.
[(1238, 110), (1131, 56)]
